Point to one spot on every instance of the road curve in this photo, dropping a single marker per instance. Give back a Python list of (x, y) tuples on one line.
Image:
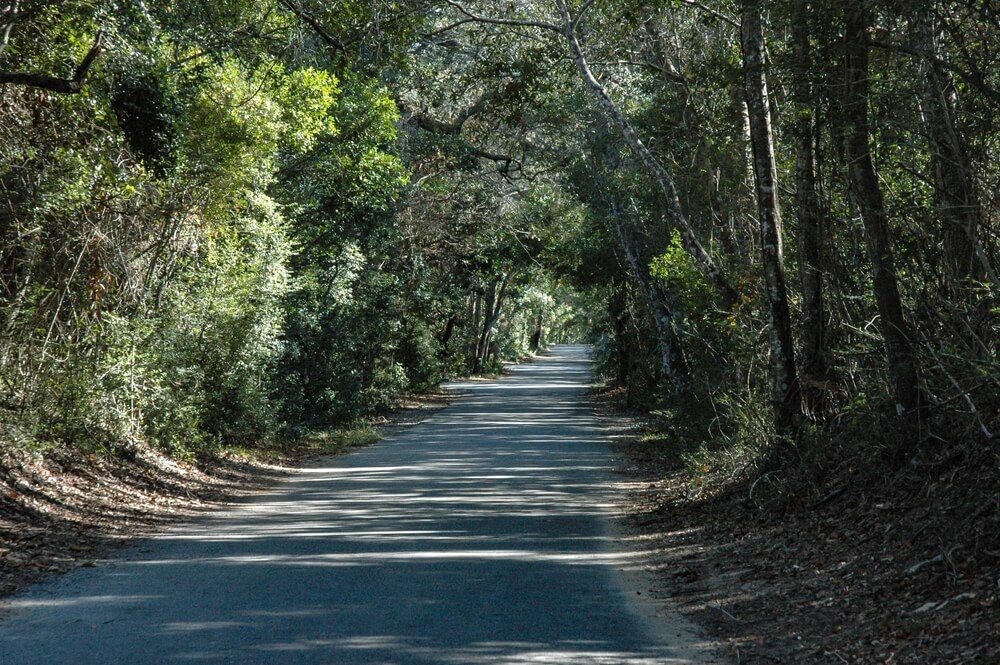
[(480, 535)]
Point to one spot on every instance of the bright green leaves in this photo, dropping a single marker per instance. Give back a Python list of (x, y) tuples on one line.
[(234, 127), (307, 97), (216, 339), (149, 266), (349, 182), (342, 318), (676, 267)]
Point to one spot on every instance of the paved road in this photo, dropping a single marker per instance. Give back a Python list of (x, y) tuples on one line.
[(478, 536)]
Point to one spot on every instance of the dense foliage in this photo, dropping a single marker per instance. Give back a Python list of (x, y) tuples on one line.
[(225, 222)]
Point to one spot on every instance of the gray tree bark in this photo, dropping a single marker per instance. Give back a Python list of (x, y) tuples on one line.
[(496, 294), (785, 392), (812, 360)]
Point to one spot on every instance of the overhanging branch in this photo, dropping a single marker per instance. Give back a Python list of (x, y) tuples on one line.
[(454, 127), (491, 20), (712, 12), (66, 86), (974, 77), (316, 26)]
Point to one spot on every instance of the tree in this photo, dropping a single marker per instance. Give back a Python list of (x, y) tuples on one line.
[(813, 364), (785, 392), (866, 194), (659, 175), (954, 183)]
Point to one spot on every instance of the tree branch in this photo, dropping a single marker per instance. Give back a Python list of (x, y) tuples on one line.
[(506, 162), (436, 126), (552, 27), (317, 27), (715, 13), (974, 78), (584, 8), (66, 86), (670, 74), (449, 27)]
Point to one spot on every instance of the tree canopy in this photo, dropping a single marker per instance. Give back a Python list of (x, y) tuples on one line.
[(225, 222)]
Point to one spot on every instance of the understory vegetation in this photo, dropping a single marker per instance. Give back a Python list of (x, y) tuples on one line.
[(229, 223)]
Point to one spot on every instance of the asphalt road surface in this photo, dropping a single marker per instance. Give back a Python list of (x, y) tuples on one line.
[(481, 535)]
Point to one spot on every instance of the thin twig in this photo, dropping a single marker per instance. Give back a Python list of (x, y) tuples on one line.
[(717, 14), (584, 8), (728, 614)]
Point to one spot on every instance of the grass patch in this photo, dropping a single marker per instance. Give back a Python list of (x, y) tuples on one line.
[(315, 444), (336, 441)]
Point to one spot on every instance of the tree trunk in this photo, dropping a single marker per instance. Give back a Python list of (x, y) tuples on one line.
[(477, 316), (903, 366), (482, 342), (672, 361), (536, 336), (785, 393), (812, 361), (446, 336), (954, 183), (619, 311), (496, 294)]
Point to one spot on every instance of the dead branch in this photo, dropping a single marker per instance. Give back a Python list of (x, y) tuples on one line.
[(917, 567)]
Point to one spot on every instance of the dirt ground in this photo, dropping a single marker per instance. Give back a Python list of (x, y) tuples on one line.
[(896, 568), (58, 513)]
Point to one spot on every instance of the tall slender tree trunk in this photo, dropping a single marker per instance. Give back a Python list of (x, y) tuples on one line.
[(903, 365), (618, 308), (536, 335), (954, 183), (446, 336), (482, 344), (812, 360), (785, 392), (476, 307)]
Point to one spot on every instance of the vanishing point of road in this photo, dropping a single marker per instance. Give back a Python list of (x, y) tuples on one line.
[(481, 535)]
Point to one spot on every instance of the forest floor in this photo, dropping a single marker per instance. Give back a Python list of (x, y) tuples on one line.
[(877, 565), (61, 512)]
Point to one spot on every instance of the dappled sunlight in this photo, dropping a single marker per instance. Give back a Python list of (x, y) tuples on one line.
[(415, 556), (582, 652), (363, 643), (77, 602), (568, 652), (197, 626), (476, 536)]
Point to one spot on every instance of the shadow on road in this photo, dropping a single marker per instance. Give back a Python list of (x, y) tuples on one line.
[(478, 536)]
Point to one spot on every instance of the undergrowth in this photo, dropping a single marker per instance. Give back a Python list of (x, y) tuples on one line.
[(732, 452)]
